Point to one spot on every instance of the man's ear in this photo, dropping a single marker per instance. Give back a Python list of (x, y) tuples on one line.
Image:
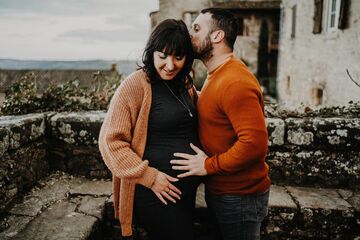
[(217, 36)]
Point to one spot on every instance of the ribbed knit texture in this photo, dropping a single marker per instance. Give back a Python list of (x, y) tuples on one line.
[(232, 131), (122, 142)]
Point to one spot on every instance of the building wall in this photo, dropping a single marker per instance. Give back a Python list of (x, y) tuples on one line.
[(175, 9), (246, 46), (311, 63)]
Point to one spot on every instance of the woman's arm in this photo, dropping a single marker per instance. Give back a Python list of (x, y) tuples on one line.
[(115, 146), (116, 136)]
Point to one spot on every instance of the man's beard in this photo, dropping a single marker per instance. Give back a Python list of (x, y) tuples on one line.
[(204, 51)]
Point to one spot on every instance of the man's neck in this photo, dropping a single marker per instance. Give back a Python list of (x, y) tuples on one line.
[(217, 59)]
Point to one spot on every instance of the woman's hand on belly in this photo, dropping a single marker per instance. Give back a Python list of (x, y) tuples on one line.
[(163, 188)]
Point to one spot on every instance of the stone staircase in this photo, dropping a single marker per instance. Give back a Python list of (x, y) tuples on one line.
[(62, 206)]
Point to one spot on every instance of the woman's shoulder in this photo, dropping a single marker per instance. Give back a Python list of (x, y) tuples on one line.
[(137, 78), (134, 85)]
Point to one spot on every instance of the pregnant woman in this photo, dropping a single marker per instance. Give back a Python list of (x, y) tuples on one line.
[(151, 116)]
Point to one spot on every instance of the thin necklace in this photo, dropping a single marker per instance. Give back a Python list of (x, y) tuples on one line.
[(185, 106)]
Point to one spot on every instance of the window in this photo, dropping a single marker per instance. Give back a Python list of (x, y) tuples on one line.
[(332, 14), (335, 15)]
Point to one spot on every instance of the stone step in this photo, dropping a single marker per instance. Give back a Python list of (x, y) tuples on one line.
[(60, 207), (69, 207), (307, 213)]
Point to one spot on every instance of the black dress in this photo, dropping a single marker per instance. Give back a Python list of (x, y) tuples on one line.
[(171, 129)]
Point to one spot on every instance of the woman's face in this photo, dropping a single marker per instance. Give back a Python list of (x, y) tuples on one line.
[(168, 66)]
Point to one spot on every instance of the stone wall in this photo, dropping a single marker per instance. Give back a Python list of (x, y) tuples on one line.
[(252, 13), (23, 155), (315, 151), (309, 151), (314, 65), (73, 144)]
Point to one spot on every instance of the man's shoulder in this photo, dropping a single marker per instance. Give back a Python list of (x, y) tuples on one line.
[(238, 74)]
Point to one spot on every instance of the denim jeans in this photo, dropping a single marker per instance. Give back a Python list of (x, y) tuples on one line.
[(238, 217)]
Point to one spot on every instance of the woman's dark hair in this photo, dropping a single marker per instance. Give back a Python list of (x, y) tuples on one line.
[(171, 37)]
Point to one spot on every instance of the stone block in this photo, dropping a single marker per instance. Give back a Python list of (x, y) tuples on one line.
[(324, 214), (60, 221), (79, 128), (53, 188), (93, 206), (82, 186), (4, 140), (282, 213), (15, 224), (20, 169), (30, 206), (324, 133), (276, 131), (24, 128), (321, 168), (200, 197)]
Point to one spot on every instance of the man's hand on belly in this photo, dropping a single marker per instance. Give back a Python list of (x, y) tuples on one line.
[(193, 164)]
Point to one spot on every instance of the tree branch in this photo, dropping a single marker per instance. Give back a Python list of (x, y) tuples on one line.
[(347, 71)]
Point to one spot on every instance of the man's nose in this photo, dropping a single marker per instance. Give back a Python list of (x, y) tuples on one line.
[(191, 33)]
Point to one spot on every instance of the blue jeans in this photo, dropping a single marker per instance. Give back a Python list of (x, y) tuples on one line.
[(238, 217)]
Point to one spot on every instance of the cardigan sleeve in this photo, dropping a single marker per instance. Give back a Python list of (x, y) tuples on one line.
[(242, 104), (193, 94), (115, 140)]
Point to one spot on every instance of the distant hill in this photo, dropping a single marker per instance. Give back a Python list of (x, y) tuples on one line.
[(123, 66)]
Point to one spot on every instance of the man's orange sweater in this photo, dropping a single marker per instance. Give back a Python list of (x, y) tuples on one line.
[(233, 132)]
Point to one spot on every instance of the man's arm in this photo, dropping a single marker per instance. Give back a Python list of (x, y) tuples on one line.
[(242, 104)]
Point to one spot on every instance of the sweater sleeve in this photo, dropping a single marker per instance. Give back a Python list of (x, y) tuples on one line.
[(243, 105), (115, 140), (193, 94)]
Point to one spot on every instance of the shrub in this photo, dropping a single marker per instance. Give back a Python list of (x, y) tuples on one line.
[(24, 97)]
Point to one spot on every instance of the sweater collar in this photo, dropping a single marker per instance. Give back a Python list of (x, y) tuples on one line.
[(218, 68)]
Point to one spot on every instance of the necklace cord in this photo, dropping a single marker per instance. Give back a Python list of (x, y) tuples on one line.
[(183, 104)]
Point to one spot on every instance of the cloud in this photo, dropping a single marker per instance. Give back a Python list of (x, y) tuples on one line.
[(74, 29), (115, 35), (76, 7)]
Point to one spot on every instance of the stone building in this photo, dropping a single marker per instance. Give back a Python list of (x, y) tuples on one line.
[(257, 41), (300, 50), (319, 42)]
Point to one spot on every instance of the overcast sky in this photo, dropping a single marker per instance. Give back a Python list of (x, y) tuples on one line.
[(74, 29)]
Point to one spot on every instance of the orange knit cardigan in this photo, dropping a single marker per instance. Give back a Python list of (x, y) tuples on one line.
[(122, 142)]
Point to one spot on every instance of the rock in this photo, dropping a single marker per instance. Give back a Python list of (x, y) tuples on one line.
[(31, 207), (276, 131), (95, 188), (59, 221), (92, 206), (16, 225)]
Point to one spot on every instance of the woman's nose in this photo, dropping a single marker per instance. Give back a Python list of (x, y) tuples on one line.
[(170, 63)]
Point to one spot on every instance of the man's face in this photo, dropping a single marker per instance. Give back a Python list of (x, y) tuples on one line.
[(200, 36)]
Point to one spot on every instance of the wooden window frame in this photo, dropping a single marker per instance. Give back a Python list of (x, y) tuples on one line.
[(293, 21), (329, 13)]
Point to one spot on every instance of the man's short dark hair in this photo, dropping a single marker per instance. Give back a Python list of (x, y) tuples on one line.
[(226, 21)]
